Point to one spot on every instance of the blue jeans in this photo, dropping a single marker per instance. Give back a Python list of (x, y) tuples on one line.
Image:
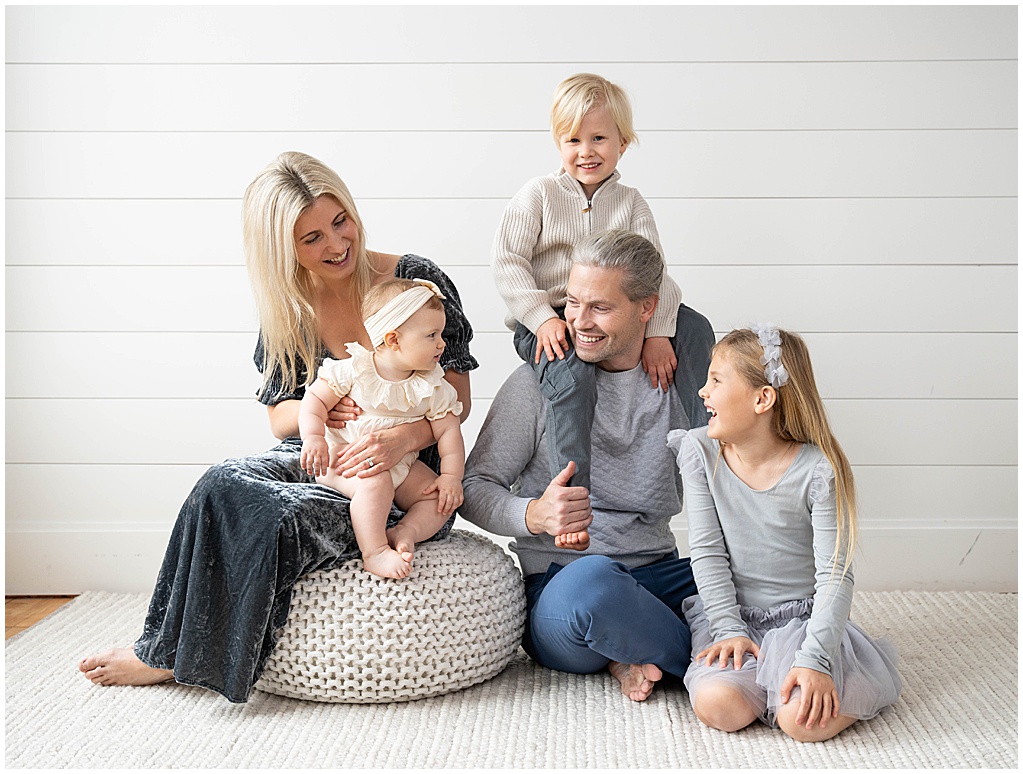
[(570, 388), (595, 610)]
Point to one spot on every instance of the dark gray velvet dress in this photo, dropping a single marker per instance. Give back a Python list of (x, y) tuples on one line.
[(249, 529)]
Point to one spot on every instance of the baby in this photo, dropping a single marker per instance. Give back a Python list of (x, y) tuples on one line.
[(400, 380)]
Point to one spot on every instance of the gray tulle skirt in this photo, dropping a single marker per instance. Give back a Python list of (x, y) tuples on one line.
[(865, 671)]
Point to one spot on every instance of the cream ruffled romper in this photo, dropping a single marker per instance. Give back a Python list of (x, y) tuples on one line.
[(384, 404)]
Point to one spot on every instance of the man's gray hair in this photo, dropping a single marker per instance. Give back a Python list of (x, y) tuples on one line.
[(635, 256)]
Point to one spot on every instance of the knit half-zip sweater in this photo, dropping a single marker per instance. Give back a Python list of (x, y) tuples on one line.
[(542, 224)]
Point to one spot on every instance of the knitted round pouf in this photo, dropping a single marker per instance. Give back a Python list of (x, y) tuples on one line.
[(357, 638)]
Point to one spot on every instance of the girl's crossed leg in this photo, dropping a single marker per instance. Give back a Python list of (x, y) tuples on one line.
[(732, 700)]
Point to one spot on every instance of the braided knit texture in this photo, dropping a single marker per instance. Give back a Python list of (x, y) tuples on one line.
[(353, 637)]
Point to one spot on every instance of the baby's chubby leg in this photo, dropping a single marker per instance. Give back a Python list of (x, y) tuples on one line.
[(422, 519), (371, 504)]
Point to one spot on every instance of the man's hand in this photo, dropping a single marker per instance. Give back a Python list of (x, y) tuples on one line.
[(562, 508)]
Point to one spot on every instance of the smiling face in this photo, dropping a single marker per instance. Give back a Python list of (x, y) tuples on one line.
[(607, 328), (591, 154), (420, 340), (730, 399), (326, 239)]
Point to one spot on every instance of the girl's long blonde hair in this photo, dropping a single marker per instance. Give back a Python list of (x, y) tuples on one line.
[(283, 290), (799, 416)]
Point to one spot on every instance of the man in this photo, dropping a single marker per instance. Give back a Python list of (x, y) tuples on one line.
[(615, 601)]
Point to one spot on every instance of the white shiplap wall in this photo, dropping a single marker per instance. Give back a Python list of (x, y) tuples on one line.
[(846, 171)]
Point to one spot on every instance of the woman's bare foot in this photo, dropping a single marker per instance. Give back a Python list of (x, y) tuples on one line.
[(121, 666), (387, 563), (577, 541), (637, 680)]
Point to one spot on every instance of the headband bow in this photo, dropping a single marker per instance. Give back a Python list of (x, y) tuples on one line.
[(399, 309), (770, 340)]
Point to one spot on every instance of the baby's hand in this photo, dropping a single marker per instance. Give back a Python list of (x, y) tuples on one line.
[(449, 492), (315, 456), (659, 361), (552, 338)]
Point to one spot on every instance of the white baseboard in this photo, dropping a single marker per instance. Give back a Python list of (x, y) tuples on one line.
[(904, 558)]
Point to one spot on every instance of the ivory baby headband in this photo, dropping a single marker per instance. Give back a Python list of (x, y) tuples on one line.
[(770, 340), (399, 309)]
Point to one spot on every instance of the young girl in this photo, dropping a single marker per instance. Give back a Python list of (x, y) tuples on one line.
[(399, 381), (772, 529)]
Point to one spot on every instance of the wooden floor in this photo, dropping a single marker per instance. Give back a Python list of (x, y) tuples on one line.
[(21, 612)]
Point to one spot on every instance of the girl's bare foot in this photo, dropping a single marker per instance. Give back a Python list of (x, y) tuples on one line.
[(120, 666), (637, 680), (577, 541), (387, 563)]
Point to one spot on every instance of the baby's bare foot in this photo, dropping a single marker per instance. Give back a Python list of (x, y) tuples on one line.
[(638, 680), (387, 563), (120, 666), (403, 543)]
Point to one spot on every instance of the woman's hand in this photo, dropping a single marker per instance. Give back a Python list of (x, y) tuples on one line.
[(552, 338), (382, 448), (449, 492), (735, 647), (347, 410), (659, 361), (818, 697)]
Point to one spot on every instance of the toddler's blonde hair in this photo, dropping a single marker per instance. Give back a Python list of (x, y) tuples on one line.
[(578, 94)]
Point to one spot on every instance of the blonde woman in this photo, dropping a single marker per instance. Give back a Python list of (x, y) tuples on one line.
[(772, 528), (252, 526)]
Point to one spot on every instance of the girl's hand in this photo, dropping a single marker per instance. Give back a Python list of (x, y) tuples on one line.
[(552, 338), (383, 447), (818, 697), (347, 410), (449, 492), (659, 361), (732, 647), (315, 456)]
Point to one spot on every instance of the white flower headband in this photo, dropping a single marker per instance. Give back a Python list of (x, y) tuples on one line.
[(770, 340), (399, 309)]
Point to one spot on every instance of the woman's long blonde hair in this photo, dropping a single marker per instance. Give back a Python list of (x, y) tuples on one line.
[(283, 289), (799, 416)]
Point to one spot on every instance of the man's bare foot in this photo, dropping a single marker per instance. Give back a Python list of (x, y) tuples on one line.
[(577, 541), (387, 563), (637, 680), (121, 666)]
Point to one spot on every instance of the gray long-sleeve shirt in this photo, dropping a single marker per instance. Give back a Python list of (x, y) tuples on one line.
[(636, 487)]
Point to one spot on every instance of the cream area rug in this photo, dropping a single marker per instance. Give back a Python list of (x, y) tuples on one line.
[(958, 708)]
